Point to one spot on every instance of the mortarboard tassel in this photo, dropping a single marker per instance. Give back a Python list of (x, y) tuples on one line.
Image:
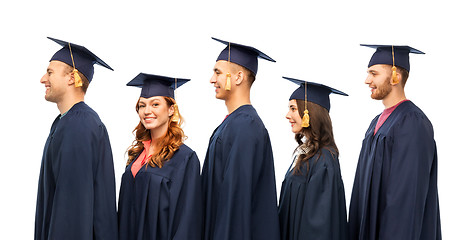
[(394, 69), (175, 116), (228, 80), (77, 79), (305, 120)]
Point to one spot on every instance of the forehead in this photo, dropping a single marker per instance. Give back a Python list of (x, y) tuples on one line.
[(221, 64), (292, 102), (57, 65), (379, 68), (151, 99)]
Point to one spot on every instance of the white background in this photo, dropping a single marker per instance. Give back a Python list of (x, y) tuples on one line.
[(311, 40)]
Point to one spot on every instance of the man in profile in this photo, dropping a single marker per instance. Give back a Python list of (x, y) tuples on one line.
[(76, 191), (395, 192), (238, 180)]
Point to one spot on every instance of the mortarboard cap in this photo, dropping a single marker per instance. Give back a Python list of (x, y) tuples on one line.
[(242, 55), (83, 58), (384, 55), (155, 85), (316, 92)]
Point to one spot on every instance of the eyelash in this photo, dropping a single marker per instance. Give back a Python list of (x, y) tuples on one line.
[(153, 105)]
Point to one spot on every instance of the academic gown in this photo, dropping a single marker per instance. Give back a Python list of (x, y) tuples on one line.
[(238, 180), (312, 204), (162, 203), (395, 192), (76, 191)]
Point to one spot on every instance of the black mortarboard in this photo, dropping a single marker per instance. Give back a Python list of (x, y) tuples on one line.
[(316, 92), (242, 55), (384, 55), (83, 58), (155, 85)]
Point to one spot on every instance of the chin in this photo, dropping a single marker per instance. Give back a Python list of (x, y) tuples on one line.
[(220, 96), (296, 130)]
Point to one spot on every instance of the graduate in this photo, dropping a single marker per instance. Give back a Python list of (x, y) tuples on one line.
[(239, 187), (395, 192), (312, 200), (76, 190), (160, 194)]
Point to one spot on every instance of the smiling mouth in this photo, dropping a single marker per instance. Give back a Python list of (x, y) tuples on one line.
[(148, 119)]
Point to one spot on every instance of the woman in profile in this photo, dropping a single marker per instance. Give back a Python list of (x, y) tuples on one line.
[(312, 200), (160, 194)]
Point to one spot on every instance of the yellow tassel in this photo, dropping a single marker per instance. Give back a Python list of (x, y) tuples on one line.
[(175, 116), (305, 120), (77, 79), (394, 75), (228, 84)]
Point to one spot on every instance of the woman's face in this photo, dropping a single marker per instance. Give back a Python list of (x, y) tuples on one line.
[(293, 116), (154, 114)]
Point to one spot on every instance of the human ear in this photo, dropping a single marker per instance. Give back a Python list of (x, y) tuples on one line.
[(171, 110), (71, 79), (239, 77)]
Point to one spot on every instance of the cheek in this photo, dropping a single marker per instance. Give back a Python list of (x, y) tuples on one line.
[(140, 113), (296, 117)]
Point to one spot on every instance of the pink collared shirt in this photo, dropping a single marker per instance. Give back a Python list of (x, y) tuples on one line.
[(385, 114), (142, 159)]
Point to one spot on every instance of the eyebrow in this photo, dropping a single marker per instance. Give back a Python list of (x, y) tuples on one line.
[(150, 101)]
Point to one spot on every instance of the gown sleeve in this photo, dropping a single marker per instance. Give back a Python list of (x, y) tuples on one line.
[(84, 201), (105, 214), (247, 205), (324, 211), (407, 179), (187, 201)]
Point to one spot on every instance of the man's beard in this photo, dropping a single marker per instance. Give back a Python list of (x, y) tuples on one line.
[(382, 91)]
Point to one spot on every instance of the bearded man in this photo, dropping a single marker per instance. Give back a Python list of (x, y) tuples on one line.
[(395, 192)]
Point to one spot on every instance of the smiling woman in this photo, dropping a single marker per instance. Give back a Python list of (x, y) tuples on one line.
[(155, 123), (160, 193)]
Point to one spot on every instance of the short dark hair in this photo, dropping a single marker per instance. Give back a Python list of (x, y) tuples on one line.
[(250, 76), (404, 73)]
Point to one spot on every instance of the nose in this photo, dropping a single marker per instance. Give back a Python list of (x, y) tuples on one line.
[(288, 115), (43, 79), (213, 79), (147, 110), (368, 80)]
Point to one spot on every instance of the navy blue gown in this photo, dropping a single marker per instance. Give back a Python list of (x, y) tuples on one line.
[(76, 191), (238, 180), (162, 203), (312, 203), (395, 192)]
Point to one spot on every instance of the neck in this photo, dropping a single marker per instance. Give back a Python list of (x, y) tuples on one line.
[(393, 98), (156, 134), (69, 102), (237, 99)]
